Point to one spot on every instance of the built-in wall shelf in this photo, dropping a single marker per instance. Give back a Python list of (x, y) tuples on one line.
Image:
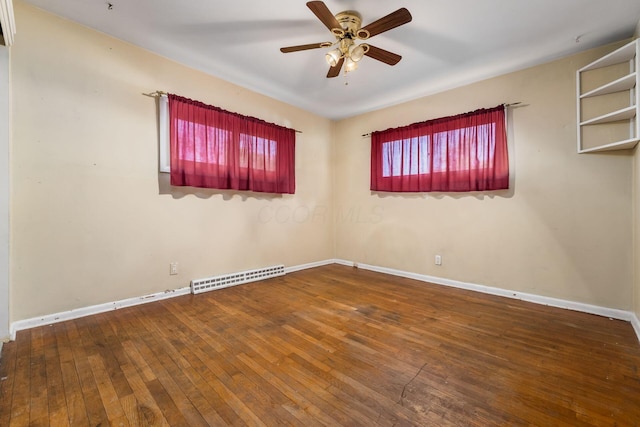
[(614, 116), (623, 83), (615, 98), (618, 145)]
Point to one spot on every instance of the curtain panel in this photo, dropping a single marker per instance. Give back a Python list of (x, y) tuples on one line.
[(214, 148), (467, 152)]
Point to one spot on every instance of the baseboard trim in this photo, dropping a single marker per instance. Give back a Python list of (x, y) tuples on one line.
[(309, 265), (537, 299), (346, 263)]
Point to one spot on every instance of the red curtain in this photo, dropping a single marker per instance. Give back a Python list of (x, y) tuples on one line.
[(214, 148), (467, 152)]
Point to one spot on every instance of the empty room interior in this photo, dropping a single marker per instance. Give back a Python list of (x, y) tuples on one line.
[(334, 281)]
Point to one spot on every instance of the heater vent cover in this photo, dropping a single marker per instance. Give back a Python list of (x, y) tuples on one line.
[(226, 280)]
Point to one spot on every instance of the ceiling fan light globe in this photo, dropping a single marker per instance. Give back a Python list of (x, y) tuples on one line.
[(357, 53), (333, 57), (350, 65), (330, 60)]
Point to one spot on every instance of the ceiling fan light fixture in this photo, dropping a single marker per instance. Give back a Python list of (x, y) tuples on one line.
[(350, 65), (357, 52), (333, 57), (347, 29)]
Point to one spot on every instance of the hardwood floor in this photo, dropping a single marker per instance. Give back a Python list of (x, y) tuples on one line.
[(327, 346)]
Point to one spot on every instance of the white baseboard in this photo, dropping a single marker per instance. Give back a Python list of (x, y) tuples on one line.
[(309, 265), (537, 299), (553, 302), (343, 262)]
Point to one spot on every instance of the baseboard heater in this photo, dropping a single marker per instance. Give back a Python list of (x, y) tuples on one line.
[(224, 281)]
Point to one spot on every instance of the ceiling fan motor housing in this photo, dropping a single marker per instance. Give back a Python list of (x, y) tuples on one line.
[(351, 21)]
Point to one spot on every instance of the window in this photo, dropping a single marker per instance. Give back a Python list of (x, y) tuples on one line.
[(213, 148), (467, 152)]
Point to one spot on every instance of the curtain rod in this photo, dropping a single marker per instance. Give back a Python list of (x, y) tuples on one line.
[(155, 94), (158, 93), (365, 135)]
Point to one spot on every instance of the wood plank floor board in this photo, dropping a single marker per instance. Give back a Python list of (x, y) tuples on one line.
[(110, 351), (7, 381), (106, 390), (326, 346), (39, 402), (170, 410), (74, 397), (58, 415), (76, 409), (146, 411), (82, 348), (72, 393), (170, 377)]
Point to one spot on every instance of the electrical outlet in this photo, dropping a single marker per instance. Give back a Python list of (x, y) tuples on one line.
[(438, 260), (173, 268)]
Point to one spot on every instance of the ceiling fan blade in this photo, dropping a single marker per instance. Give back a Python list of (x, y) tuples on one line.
[(304, 47), (324, 14), (386, 23), (335, 70), (383, 55)]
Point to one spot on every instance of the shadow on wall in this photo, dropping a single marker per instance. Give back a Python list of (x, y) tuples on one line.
[(165, 187), (480, 195)]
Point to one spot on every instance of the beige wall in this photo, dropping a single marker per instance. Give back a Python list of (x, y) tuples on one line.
[(562, 230), (89, 222)]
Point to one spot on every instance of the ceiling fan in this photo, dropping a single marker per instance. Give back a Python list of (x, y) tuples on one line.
[(346, 27)]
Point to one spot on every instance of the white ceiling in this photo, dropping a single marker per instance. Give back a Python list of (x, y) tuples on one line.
[(448, 43)]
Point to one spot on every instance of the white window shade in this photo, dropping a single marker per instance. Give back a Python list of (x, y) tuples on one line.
[(164, 155)]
